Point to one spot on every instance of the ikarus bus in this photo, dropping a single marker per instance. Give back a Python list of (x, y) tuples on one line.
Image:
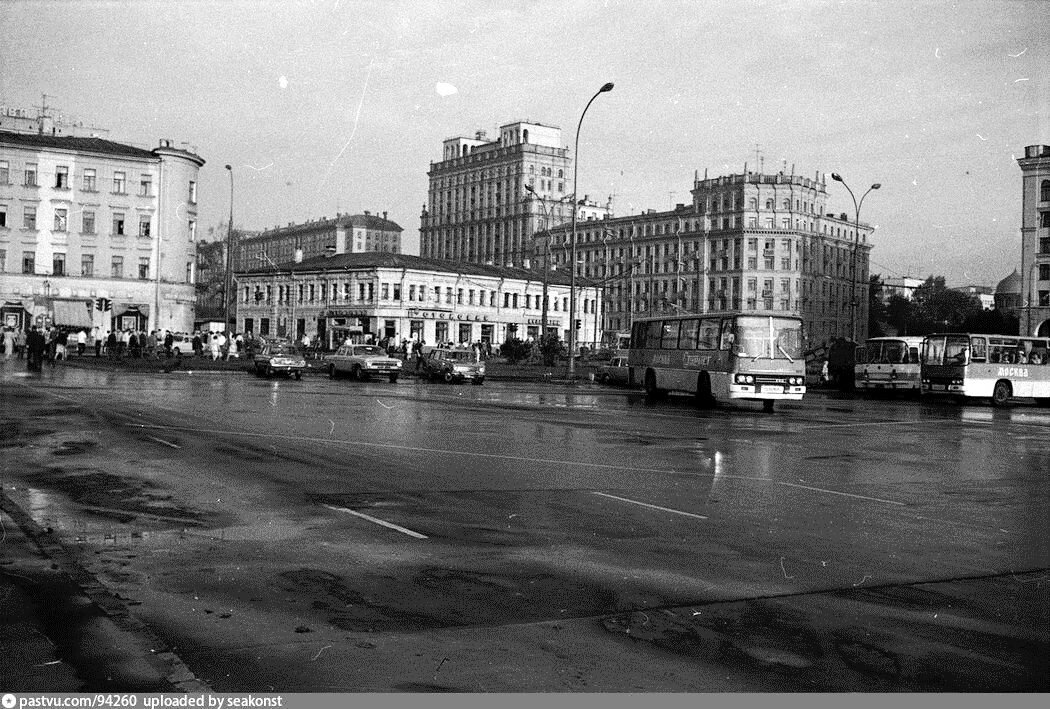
[(996, 367), (720, 356), (888, 364)]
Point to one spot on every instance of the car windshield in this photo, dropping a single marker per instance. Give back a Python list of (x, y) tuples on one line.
[(368, 350)]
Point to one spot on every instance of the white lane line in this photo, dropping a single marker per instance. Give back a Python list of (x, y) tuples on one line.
[(836, 492), (161, 440), (380, 522), (646, 504)]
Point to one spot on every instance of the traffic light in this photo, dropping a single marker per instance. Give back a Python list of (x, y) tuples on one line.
[(579, 323)]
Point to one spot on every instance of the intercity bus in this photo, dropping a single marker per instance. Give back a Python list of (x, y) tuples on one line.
[(720, 356), (888, 364), (997, 367)]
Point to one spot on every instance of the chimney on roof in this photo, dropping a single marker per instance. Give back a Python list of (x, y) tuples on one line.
[(367, 213), (384, 215)]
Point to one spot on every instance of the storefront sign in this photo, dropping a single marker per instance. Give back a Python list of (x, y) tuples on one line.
[(444, 315)]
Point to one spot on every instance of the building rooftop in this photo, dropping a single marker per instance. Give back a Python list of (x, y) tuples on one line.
[(373, 259), (63, 142)]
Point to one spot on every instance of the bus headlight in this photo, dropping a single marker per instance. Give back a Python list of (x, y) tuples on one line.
[(745, 379)]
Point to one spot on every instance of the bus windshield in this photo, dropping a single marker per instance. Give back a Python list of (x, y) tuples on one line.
[(883, 352), (767, 337), (946, 349)]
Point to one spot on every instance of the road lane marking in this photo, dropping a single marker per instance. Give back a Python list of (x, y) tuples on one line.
[(646, 504), (161, 440), (836, 492), (376, 520)]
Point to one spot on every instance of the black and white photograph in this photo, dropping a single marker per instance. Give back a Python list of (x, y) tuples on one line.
[(543, 351)]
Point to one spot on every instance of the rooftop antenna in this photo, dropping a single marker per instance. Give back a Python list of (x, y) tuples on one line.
[(759, 156)]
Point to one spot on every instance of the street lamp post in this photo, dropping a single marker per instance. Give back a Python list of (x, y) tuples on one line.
[(227, 296), (856, 243), (547, 253), (572, 261)]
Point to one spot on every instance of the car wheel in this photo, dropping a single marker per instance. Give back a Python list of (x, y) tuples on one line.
[(393, 379), (767, 405), (331, 371), (357, 374), (449, 377), (269, 371), (1001, 393), (603, 378), (650, 386), (298, 375)]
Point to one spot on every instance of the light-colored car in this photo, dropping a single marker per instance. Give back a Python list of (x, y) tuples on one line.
[(615, 371), (182, 344), (453, 366), (279, 358), (363, 362)]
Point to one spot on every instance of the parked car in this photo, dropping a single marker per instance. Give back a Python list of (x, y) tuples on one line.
[(453, 366), (279, 358), (363, 362), (182, 344), (614, 371)]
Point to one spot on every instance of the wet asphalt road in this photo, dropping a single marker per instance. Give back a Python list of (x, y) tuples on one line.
[(332, 536)]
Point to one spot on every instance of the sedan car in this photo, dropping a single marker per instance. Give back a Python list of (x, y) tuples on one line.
[(363, 362), (279, 358), (615, 371), (453, 366)]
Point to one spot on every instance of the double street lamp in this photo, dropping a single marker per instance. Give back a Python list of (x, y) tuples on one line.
[(572, 262), (856, 242)]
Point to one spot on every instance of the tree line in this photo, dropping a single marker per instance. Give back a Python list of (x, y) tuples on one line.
[(933, 307)]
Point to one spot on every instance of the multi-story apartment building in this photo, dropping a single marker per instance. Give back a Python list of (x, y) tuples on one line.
[(747, 241), (478, 209), (342, 234), (401, 297), (96, 233), (1035, 240)]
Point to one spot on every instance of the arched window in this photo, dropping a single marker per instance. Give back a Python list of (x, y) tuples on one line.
[(769, 204), (1044, 191), (525, 135)]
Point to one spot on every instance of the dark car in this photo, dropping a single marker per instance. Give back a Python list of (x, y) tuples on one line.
[(279, 358), (453, 366)]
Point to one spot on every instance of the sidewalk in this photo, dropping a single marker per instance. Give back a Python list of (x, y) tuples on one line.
[(61, 631)]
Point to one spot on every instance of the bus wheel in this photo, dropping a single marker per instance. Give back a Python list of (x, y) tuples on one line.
[(767, 405), (704, 397), (650, 385), (1001, 393)]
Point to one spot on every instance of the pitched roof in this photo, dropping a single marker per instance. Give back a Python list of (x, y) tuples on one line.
[(65, 142), (377, 259)]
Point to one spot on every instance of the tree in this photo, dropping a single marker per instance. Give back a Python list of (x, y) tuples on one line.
[(877, 315), (939, 308)]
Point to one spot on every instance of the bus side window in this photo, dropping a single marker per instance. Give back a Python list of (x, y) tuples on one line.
[(978, 349), (728, 338)]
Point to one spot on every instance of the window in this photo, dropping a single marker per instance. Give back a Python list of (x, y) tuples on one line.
[(189, 271), (193, 230), (144, 226), (5, 173), (29, 217), (193, 192), (30, 180), (117, 267), (58, 264), (1044, 272), (89, 180), (146, 186), (1044, 298), (1044, 219), (397, 291), (1044, 188), (118, 223), (144, 268), (28, 262), (87, 265), (120, 181), (3, 215), (88, 223), (3, 260), (385, 291), (62, 177)]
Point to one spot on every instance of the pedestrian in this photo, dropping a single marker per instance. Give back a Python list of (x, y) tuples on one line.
[(169, 341), (81, 342), (9, 343), (215, 347), (232, 350), (20, 343), (61, 345), (418, 351), (36, 345), (134, 345), (51, 344), (111, 344)]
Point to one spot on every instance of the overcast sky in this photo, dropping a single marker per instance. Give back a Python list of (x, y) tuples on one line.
[(331, 105)]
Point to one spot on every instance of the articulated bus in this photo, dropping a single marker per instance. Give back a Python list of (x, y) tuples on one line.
[(718, 356), (888, 364), (997, 367)]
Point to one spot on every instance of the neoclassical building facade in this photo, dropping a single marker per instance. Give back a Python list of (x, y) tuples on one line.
[(96, 233), (749, 241), (402, 297)]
